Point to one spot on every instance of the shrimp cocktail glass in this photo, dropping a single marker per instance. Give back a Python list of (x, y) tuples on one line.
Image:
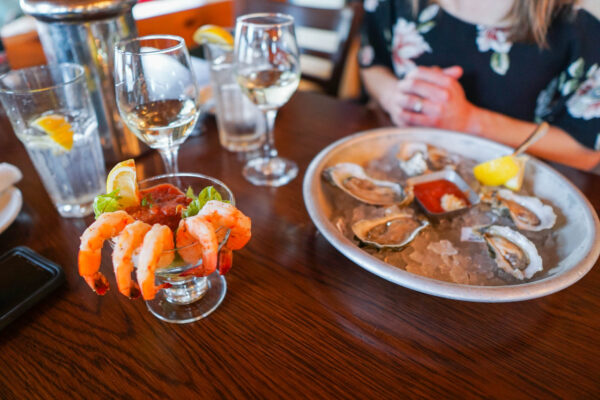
[(172, 237), (51, 112)]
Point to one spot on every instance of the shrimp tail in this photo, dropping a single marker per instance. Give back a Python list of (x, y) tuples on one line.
[(134, 291), (93, 278), (97, 282), (225, 261)]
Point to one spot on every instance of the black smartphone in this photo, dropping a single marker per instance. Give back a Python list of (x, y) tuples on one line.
[(25, 278)]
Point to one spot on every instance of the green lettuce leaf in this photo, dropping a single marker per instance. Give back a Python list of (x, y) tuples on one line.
[(106, 203), (207, 194)]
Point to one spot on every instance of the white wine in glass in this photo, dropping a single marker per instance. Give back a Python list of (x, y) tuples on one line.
[(269, 88), (157, 95), (268, 71), (162, 123)]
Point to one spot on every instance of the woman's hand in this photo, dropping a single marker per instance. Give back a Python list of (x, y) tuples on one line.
[(429, 96)]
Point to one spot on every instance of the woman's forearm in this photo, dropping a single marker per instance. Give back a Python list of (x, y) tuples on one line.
[(379, 82), (556, 145)]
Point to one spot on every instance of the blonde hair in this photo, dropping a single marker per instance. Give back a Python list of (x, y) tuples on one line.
[(530, 19)]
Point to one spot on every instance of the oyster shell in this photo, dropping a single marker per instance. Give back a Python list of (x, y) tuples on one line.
[(417, 158), (512, 252), (527, 212), (395, 230), (352, 179)]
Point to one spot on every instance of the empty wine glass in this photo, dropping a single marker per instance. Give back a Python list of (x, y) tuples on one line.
[(268, 71), (156, 90)]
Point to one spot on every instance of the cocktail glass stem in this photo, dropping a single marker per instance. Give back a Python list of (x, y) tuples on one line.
[(169, 156), (185, 290), (269, 147)]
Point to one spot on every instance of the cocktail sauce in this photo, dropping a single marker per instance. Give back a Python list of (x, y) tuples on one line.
[(160, 204), (430, 194)]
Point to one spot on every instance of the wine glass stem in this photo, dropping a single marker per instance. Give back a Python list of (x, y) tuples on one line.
[(169, 156), (269, 146)]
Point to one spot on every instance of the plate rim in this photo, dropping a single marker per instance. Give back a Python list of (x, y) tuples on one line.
[(474, 293)]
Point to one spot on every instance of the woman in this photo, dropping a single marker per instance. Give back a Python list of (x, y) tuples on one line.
[(489, 68)]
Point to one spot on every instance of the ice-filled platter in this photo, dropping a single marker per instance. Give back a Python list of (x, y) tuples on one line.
[(492, 244)]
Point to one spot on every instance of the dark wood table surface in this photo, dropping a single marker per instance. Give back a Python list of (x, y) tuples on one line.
[(299, 319)]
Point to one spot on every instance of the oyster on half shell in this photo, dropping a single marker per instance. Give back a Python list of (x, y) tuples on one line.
[(394, 230), (512, 252), (418, 158), (353, 179), (527, 212)]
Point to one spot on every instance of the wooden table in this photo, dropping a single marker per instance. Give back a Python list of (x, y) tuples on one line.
[(299, 319)]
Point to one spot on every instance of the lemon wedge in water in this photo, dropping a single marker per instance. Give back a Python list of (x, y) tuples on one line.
[(213, 34), (124, 177), (57, 128), (496, 172)]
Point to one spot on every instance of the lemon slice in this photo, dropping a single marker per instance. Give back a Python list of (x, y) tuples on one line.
[(124, 178), (57, 128), (497, 171), (516, 181), (213, 34)]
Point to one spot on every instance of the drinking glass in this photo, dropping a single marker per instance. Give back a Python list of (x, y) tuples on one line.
[(156, 92), (240, 123), (268, 71), (51, 112), (189, 298)]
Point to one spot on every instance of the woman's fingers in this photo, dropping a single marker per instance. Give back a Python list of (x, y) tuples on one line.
[(455, 71), (413, 118), (424, 89), (437, 76), (430, 96), (418, 104)]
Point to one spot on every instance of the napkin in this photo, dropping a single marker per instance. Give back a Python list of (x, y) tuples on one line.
[(9, 175)]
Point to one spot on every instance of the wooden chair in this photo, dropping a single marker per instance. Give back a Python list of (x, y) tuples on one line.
[(324, 37)]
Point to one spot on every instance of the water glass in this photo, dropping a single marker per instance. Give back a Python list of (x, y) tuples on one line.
[(51, 113), (240, 122)]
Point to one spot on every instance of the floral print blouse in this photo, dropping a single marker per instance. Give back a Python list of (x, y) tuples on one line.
[(559, 84)]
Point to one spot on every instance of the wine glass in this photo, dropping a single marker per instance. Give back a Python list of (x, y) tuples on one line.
[(156, 92), (268, 71)]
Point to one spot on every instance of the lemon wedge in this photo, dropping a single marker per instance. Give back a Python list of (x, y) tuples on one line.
[(496, 172), (124, 177), (516, 181), (213, 34), (57, 128)]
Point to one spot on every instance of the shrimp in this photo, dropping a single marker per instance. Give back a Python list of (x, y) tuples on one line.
[(154, 254), (107, 225), (225, 215), (196, 229), (128, 241)]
